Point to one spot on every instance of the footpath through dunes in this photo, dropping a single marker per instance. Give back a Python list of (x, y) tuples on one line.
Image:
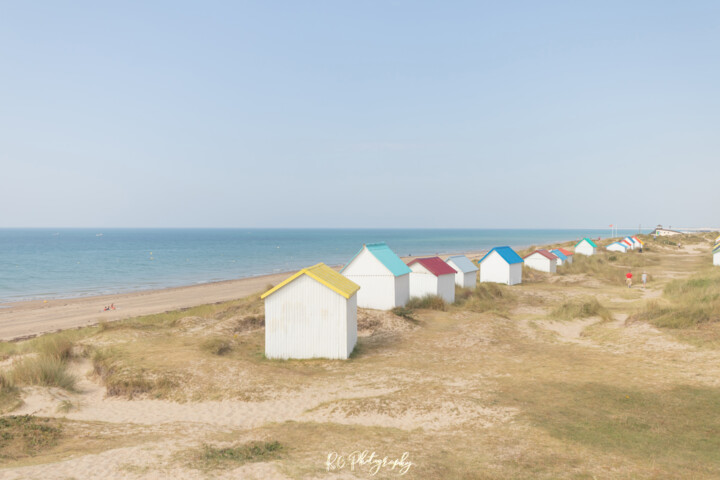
[(554, 378)]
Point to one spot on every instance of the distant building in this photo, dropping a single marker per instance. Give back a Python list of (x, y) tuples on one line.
[(383, 277), (312, 314), (664, 232), (541, 260), (432, 276), (628, 241), (466, 275), (716, 255), (586, 247), (501, 265), (621, 247)]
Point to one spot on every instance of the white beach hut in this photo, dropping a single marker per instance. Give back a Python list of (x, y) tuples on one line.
[(466, 275), (629, 242), (716, 255), (617, 247), (312, 314), (563, 251), (432, 276), (383, 277), (501, 265), (636, 242), (586, 247), (541, 260), (562, 259)]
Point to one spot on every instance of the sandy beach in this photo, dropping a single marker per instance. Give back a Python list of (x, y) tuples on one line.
[(26, 319)]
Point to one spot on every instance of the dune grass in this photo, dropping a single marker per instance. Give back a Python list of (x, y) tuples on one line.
[(121, 381), (428, 302), (485, 297), (43, 370), (686, 303), (216, 346), (26, 435), (210, 457), (581, 308)]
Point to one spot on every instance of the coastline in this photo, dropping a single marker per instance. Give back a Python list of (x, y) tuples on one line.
[(26, 319)]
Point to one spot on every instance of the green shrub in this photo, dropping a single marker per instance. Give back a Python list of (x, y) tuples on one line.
[(428, 302), (26, 435), (230, 457)]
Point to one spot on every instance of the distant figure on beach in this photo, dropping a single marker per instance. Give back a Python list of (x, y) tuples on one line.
[(641, 248), (112, 306), (644, 279), (628, 279), (107, 308)]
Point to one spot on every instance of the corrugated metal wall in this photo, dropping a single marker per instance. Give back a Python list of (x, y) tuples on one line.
[(539, 262), (446, 287), (468, 280), (305, 319), (378, 287), (495, 269), (421, 283)]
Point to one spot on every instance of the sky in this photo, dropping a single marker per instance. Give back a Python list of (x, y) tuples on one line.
[(359, 114)]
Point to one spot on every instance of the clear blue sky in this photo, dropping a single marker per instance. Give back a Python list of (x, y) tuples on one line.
[(359, 114)]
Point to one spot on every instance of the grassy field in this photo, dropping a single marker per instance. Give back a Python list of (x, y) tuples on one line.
[(567, 376)]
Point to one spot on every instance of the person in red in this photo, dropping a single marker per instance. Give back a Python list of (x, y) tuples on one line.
[(628, 279)]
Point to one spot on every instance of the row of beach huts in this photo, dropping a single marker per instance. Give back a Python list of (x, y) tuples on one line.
[(313, 313)]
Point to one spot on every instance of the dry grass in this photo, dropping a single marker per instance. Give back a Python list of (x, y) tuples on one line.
[(210, 457), (581, 308), (25, 435), (428, 302)]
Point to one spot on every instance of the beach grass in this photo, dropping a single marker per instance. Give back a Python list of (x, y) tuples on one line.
[(428, 302), (211, 457), (581, 308), (26, 435)]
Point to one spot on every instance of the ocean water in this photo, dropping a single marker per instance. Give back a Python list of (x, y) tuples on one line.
[(45, 263)]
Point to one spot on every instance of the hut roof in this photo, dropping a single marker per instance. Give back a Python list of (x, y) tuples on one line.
[(566, 252), (558, 253), (587, 240), (463, 263), (325, 275), (544, 253), (507, 253), (386, 256), (435, 265)]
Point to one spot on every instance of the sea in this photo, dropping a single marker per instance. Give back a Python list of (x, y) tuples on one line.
[(66, 263)]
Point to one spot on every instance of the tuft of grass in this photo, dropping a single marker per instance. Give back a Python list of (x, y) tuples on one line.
[(123, 382), (216, 346), (66, 406), (53, 346), (485, 297), (9, 394), (27, 435), (44, 370), (210, 457), (583, 308), (428, 302), (404, 312)]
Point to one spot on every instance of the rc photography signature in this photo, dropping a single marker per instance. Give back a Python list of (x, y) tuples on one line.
[(360, 460)]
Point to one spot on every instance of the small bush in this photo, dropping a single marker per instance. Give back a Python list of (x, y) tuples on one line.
[(53, 345), (484, 297), (428, 302), (48, 371), (26, 435), (575, 309), (217, 346), (215, 457), (404, 312)]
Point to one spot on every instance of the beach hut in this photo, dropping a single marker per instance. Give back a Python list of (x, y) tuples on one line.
[(542, 260), (466, 275), (716, 255), (312, 314), (617, 247), (384, 279), (568, 254), (586, 247), (628, 241), (636, 242), (501, 265), (432, 276), (562, 259)]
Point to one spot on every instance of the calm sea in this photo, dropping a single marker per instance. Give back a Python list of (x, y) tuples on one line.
[(43, 263)]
